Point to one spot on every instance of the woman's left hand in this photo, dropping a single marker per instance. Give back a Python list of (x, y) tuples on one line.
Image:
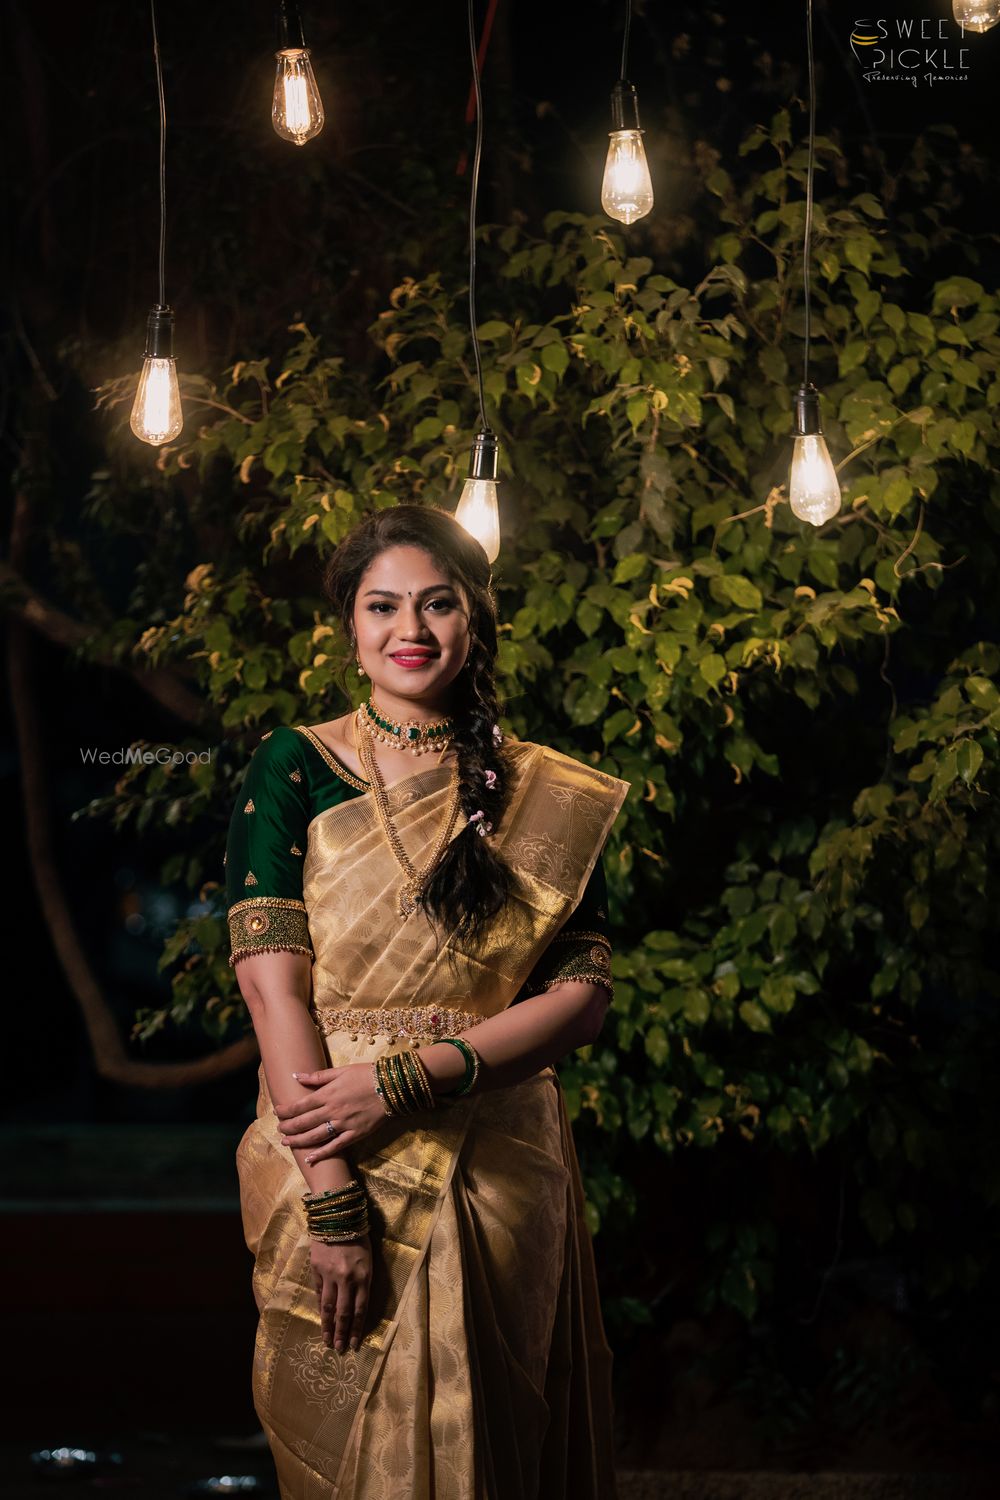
[(345, 1097)]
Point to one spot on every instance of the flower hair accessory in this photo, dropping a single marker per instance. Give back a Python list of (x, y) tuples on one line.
[(483, 827), (497, 735), (490, 777)]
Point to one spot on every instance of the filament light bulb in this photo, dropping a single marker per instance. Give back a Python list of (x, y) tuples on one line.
[(813, 487), (477, 509), (627, 189), (297, 111), (977, 15), (156, 411)]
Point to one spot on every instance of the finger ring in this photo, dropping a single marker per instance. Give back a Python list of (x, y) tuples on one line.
[(331, 1129)]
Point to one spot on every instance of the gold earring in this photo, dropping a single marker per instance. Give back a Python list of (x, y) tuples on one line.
[(361, 670)]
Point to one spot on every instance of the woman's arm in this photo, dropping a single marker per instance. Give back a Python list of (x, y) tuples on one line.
[(525, 1038), (572, 983), (513, 1045), (277, 989)]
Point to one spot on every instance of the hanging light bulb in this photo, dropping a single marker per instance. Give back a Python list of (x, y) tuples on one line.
[(297, 110), (627, 190), (813, 487), (156, 411), (977, 15), (477, 509)]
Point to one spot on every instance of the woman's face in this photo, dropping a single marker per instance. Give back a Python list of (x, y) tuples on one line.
[(411, 625)]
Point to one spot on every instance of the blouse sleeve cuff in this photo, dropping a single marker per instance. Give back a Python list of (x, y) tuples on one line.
[(268, 924), (575, 955)]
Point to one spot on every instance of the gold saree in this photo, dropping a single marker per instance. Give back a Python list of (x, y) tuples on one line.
[(484, 1374)]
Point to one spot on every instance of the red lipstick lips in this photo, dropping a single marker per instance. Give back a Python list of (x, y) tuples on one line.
[(412, 659)]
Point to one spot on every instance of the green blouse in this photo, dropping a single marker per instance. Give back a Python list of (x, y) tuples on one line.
[(292, 777)]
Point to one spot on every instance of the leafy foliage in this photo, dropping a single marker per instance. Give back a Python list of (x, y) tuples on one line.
[(803, 877)]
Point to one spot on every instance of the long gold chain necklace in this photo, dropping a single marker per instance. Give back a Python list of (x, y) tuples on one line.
[(415, 878)]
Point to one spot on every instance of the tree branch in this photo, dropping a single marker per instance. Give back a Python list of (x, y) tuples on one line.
[(48, 620), (110, 1056)]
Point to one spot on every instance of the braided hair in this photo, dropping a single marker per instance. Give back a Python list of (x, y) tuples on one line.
[(470, 882)]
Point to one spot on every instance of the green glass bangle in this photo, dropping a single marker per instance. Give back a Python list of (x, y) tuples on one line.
[(472, 1061)]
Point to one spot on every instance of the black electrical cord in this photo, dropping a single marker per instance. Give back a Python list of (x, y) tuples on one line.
[(473, 195), (163, 156), (810, 170), (623, 75)]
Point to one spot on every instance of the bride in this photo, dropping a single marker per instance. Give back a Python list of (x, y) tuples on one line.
[(397, 878)]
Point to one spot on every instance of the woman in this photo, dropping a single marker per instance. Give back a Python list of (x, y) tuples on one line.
[(429, 1322)]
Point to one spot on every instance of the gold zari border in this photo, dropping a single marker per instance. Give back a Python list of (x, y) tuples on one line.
[(413, 1023), (584, 955), (582, 937), (336, 766), (268, 924), (602, 979)]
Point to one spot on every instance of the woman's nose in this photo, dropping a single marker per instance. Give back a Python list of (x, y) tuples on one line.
[(411, 624)]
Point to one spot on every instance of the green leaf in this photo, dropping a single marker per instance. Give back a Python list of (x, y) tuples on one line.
[(741, 591), (897, 494), (555, 357), (637, 409), (657, 1046), (588, 616), (631, 566), (753, 1014), (590, 704), (712, 668), (970, 759), (697, 1007), (427, 429)]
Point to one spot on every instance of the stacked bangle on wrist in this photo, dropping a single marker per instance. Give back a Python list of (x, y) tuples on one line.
[(472, 1065), (402, 1084), (337, 1215)]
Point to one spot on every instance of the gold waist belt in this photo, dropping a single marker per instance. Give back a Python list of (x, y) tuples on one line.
[(413, 1023)]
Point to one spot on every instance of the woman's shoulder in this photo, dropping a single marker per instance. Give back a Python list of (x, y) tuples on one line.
[(276, 741), (277, 749)]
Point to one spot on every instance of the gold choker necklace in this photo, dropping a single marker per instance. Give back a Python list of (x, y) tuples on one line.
[(405, 734)]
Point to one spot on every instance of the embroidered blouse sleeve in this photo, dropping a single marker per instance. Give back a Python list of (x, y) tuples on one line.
[(265, 852), (582, 948)]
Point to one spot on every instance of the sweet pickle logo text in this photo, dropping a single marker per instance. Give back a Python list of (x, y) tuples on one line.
[(919, 51)]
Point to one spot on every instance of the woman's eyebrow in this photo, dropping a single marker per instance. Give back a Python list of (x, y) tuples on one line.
[(431, 588)]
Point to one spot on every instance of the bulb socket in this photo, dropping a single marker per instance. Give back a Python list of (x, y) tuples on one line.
[(288, 27), (624, 106), (160, 333), (807, 421), (484, 461)]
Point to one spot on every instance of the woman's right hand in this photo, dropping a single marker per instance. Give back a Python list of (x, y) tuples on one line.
[(342, 1277)]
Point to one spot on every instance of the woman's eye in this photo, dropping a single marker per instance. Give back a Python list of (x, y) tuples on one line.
[(380, 605)]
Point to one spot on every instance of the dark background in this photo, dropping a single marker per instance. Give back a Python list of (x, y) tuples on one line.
[(261, 235)]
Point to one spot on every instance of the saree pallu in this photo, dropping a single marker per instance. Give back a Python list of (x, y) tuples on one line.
[(484, 1373)]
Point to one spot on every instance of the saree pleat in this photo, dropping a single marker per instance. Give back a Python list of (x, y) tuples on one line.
[(483, 1374)]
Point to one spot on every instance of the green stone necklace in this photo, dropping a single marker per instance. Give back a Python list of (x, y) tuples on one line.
[(407, 734)]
